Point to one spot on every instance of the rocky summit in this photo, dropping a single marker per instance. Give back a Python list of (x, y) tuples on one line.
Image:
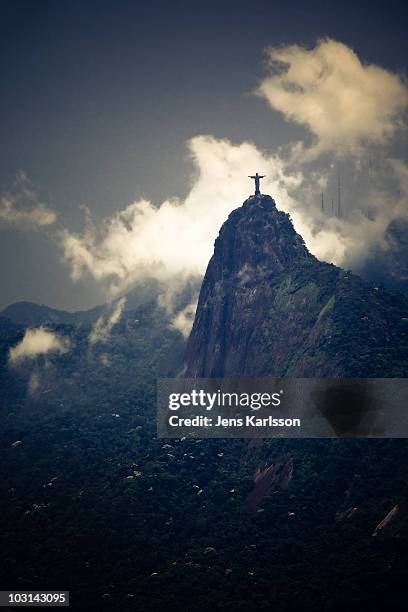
[(268, 307)]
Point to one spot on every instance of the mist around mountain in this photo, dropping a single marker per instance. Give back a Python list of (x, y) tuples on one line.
[(93, 502), (390, 266)]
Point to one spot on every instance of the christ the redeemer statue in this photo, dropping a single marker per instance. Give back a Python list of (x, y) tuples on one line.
[(257, 178)]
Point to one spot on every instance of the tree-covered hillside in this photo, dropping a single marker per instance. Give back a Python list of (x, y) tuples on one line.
[(93, 502)]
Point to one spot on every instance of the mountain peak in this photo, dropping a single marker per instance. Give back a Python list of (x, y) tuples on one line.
[(268, 307), (257, 234)]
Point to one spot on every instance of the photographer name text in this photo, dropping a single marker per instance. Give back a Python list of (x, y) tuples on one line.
[(248, 421)]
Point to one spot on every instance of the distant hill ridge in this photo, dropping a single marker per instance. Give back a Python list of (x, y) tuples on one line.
[(144, 295), (31, 314)]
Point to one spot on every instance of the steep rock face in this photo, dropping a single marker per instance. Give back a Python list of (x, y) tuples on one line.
[(266, 480), (268, 307)]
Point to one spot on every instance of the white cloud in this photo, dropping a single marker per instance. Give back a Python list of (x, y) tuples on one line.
[(351, 240), (105, 360), (345, 103), (102, 328), (34, 383), (20, 207), (184, 319), (38, 341), (176, 239)]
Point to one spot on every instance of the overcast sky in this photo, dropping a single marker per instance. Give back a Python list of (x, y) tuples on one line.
[(110, 110)]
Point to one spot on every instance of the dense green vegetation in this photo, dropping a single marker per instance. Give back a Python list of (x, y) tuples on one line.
[(93, 502)]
